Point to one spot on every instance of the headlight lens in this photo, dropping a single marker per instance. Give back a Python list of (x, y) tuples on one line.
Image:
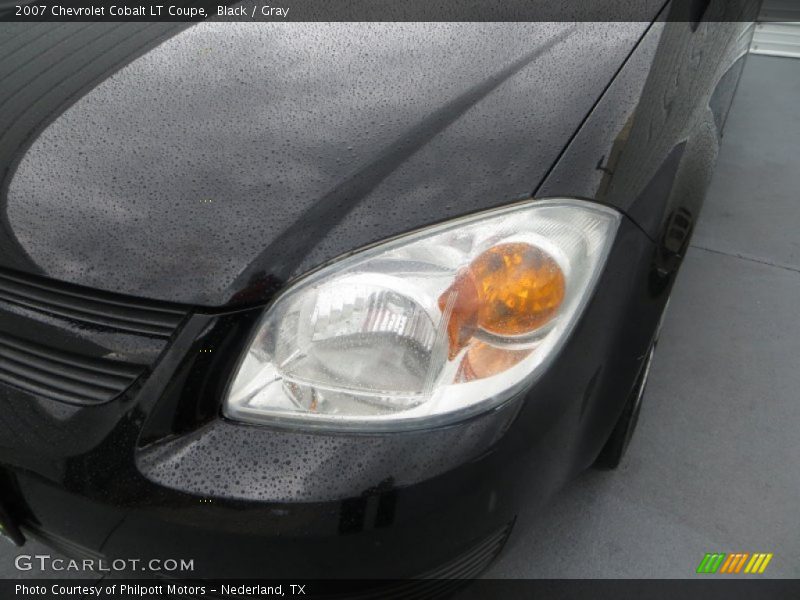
[(427, 328)]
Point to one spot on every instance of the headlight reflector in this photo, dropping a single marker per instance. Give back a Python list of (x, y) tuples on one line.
[(427, 328)]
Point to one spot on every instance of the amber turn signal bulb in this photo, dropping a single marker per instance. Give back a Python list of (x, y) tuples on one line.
[(510, 289)]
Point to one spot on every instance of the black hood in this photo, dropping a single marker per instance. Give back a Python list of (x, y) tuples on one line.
[(231, 157)]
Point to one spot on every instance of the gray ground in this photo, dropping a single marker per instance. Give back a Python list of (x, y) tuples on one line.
[(715, 464)]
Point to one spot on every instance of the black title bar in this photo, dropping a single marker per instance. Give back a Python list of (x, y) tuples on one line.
[(378, 10)]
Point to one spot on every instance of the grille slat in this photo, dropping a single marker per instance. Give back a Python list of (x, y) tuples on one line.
[(52, 369), (121, 313), (59, 369), (85, 317), (36, 387), (63, 376), (121, 370), (84, 394)]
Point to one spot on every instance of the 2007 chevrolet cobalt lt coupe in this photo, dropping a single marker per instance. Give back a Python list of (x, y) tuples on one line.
[(336, 300)]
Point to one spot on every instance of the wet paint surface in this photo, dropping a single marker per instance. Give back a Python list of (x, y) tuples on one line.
[(191, 174)]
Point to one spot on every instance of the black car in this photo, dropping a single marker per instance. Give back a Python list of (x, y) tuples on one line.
[(336, 299)]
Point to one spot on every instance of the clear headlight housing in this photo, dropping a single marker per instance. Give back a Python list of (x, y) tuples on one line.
[(427, 328)]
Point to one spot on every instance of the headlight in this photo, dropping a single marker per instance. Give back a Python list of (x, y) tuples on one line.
[(428, 328)]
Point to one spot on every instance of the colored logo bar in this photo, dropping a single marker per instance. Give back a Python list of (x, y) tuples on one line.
[(736, 562)]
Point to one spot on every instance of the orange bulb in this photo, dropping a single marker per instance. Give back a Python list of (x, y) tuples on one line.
[(484, 360), (508, 290)]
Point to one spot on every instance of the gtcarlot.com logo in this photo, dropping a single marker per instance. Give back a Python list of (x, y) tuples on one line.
[(734, 563), (45, 562)]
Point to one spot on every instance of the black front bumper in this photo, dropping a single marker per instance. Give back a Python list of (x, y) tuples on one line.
[(157, 472)]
